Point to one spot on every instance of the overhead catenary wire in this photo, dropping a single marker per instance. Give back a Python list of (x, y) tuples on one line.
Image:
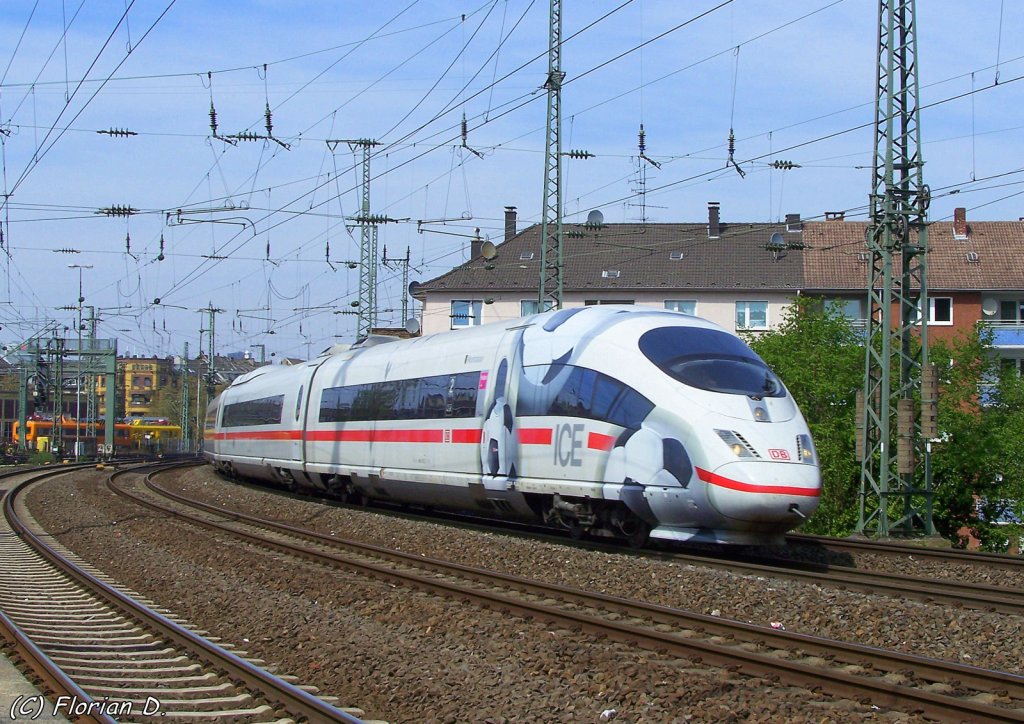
[(39, 155), (332, 182), (829, 134)]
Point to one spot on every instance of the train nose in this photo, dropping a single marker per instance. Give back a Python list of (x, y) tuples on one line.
[(763, 491)]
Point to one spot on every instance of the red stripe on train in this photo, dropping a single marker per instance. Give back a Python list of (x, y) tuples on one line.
[(460, 436), (376, 435), (257, 435), (597, 441), (472, 435), (535, 436), (723, 482)]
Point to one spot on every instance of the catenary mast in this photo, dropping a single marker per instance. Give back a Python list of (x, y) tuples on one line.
[(894, 495)]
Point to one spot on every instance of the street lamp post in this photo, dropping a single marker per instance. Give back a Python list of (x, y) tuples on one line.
[(78, 365)]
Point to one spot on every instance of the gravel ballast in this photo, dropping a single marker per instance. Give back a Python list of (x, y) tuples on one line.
[(402, 655)]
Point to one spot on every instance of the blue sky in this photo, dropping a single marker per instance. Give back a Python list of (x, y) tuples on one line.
[(795, 80)]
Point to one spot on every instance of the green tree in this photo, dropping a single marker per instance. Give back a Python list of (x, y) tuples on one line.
[(820, 358), (978, 466)]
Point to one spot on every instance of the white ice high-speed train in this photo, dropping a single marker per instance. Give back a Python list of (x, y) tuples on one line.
[(620, 421)]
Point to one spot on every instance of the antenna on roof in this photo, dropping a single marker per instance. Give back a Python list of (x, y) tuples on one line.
[(776, 245)]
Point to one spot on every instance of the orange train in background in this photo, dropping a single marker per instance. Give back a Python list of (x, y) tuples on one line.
[(136, 435)]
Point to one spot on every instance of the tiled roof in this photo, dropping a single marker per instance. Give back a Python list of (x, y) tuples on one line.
[(990, 258), (681, 256), (650, 256)]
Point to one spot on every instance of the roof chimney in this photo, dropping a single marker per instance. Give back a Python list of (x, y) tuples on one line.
[(835, 216), (960, 229), (510, 222), (714, 227), (793, 223), (475, 246)]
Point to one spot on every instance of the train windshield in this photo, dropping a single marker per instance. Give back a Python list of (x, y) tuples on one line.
[(710, 360)]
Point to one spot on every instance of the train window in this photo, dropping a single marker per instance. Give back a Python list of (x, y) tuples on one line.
[(432, 392), (264, 411), (336, 404), (426, 398), (298, 401), (462, 394), (710, 360), (364, 406), (605, 391), (630, 410), (386, 400), (575, 399), (406, 397), (580, 392)]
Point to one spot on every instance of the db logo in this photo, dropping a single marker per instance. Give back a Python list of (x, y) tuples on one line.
[(777, 454)]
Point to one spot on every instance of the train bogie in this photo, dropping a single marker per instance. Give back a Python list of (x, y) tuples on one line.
[(613, 420)]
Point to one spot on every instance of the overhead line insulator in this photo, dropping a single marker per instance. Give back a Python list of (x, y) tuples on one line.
[(118, 132), (117, 210)]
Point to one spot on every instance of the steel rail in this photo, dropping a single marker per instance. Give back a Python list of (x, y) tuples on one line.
[(960, 593), (291, 697), (978, 558), (55, 681), (814, 676)]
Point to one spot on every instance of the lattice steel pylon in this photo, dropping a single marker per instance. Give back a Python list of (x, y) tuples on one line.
[(551, 262), (895, 495), (368, 260)]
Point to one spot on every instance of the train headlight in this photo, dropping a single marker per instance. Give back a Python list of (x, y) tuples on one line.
[(739, 447), (805, 449)]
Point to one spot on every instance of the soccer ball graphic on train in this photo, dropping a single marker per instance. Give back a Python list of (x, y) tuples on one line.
[(649, 456)]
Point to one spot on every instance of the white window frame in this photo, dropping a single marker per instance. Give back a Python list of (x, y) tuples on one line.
[(743, 310), (931, 312), (676, 305), (474, 316)]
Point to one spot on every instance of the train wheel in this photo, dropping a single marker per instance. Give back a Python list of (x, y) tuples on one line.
[(576, 531), (639, 535)]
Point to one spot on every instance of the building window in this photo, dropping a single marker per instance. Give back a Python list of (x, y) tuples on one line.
[(940, 310), (751, 315), (1011, 311), (466, 313), (1012, 364), (595, 302), (852, 309), (532, 306), (686, 306)]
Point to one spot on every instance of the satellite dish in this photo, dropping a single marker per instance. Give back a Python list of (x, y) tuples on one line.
[(488, 250), (989, 306), (595, 218), (414, 288), (412, 325), (777, 242)]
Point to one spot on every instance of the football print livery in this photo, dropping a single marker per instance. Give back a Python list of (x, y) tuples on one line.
[(616, 421)]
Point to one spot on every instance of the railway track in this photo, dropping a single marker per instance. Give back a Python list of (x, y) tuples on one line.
[(942, 555), (937, 689), (959, 593), (114, 654)]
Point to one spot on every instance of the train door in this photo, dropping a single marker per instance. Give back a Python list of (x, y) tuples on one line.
[(306, 404), (498, 445)]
